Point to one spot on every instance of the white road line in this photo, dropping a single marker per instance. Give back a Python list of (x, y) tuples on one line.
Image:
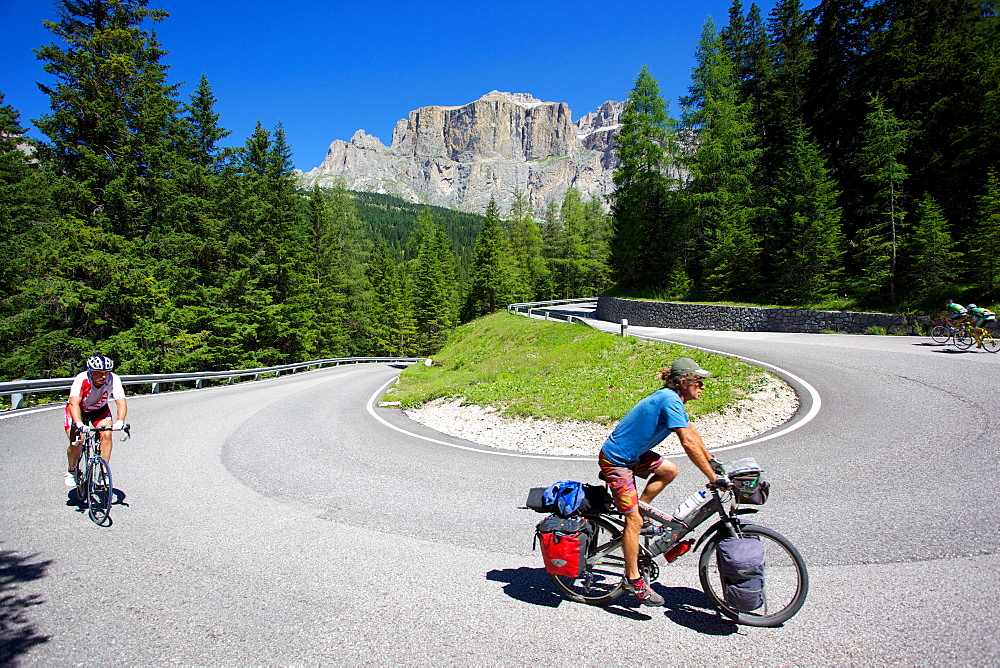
[(813, 412), (501, 453)]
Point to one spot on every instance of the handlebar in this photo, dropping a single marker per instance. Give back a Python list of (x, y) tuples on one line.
[(126, 428), (728, 484)]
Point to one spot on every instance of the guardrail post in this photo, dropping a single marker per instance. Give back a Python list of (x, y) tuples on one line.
[(624, 327), (155, 389), (197, 384), (16, 401)]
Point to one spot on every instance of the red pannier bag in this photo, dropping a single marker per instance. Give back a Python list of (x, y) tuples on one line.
[(564, 542)]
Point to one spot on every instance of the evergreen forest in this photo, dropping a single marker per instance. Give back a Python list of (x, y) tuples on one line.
[(845, 155), (129, 230), (840, 155)]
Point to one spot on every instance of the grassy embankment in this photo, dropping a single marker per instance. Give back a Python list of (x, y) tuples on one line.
[(555, 370)]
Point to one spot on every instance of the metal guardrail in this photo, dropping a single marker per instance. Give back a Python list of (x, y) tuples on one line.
[(17, 388), (532, 308)]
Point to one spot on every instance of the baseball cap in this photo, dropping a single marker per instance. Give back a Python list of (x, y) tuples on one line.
[(687, 365)]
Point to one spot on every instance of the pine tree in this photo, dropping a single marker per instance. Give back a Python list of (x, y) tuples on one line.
[(494, 275), (433, 285), (806, 260), (931, 259), (389, 317), (639, 202), (355, 250), (111, 110), (984, 241), (326, 282), (886, 140), (721, 188), (202, 132), (527, 243)]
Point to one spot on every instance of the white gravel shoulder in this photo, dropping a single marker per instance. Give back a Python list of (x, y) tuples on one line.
[(772, 405)]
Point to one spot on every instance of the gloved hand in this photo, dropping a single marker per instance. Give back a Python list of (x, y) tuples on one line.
[(721, 482), (82, 428), (716, 466), (119, 425)]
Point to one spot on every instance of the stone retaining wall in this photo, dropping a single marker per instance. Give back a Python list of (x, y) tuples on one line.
[(750, 319)]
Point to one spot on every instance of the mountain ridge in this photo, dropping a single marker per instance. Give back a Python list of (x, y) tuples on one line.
[(496, 146)]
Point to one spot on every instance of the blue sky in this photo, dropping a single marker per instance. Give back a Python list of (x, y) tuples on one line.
[(327, 69)]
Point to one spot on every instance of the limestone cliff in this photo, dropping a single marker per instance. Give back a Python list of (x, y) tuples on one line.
[(495, 146)]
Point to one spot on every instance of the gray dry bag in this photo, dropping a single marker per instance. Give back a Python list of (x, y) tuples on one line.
[(741, 566)]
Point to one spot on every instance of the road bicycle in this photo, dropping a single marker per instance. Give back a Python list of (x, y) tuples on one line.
[(942, 332), (786, 580), (94, 488), (982, 336)]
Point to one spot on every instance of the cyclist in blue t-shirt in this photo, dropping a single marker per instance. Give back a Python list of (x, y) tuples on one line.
[(627, 453)]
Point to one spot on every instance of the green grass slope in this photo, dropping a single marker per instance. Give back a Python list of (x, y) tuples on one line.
[(541, 369)]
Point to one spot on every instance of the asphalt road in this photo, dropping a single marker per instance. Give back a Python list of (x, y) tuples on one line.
[(279, 522)]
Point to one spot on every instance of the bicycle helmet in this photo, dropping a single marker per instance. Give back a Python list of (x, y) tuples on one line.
[(971, 306), (100, 363)]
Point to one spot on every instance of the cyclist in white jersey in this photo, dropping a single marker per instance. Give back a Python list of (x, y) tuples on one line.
[(88, 405)]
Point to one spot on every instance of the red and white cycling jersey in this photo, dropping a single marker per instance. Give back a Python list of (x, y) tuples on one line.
[(95, 398)]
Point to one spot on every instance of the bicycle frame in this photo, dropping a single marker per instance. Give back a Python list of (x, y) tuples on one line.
[(674, 531)]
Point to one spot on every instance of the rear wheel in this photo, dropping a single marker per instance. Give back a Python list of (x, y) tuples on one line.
[(940, 334), (786, 582), (963, 340), (100, 492), (601, 582)]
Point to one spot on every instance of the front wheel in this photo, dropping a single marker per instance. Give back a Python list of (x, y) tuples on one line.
[(940, 334), (100, 492), (601, 582), (786, 581), (990, 343)]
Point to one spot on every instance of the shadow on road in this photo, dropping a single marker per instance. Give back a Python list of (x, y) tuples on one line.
[(689, 607), (684, 606), (17, 633), (531, 585), (73, 500)]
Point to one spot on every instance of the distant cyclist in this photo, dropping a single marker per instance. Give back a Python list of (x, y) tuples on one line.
[(980, 317), (88, 405), (954, 313)]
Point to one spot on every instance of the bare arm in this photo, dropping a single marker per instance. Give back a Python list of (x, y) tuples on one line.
[(695, 448), (74, 409), (122, 407)]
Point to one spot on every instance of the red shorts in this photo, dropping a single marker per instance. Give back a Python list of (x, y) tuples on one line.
[(621, 479), (89, 417)]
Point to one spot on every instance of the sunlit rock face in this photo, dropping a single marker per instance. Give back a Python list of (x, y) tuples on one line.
[(496, 146)]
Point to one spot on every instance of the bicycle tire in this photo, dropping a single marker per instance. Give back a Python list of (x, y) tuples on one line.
[(990, 343), (601, 582), (963, 340), (786, 580), (940, 334), (81, 483), (99, 492)]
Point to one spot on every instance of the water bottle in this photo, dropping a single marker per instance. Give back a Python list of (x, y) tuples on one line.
[(691, 504)]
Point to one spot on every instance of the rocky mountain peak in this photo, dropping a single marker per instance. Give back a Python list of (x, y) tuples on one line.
[(495, 146)]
